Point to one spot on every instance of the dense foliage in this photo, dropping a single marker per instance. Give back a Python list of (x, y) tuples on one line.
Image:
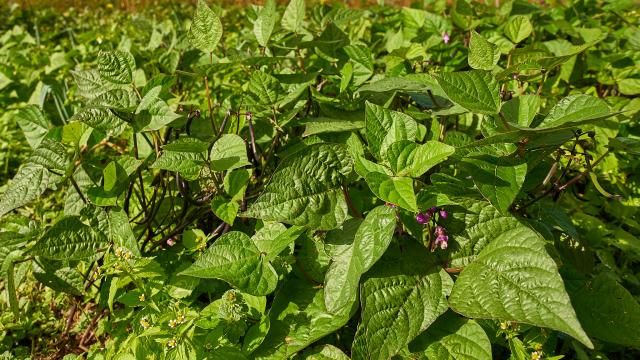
[(438, 182)]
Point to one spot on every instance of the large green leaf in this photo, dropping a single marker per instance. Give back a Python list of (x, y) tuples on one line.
[(409, 158), (476, 90), (298, 318), (453, 338), (70, 239), (185, 155), (576, 109), (29, 182), (472, 226), (324, 125), (354, 254), (401, 296), (305, 189), (229, 152), (265, 88), (383, 127), (265, 23), (497, 175), (293, 16), (393, 189), (100, 118), (513, 278), (607, 311), (522, 109), (518, 28), (234, 258), (483, 55), (116, 67), (206, 28), (51, 154), (33, 124)]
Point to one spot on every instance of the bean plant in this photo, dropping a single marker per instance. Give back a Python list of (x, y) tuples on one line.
[(450, 180)]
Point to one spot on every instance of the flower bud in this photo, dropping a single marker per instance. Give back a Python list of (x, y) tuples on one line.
[(443, 213)]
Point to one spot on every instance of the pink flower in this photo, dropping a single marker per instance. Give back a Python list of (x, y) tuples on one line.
[(171, 242), (445, 37), (443, 213)]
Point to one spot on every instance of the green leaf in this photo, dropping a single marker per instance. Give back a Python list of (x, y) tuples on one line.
[(153, 113), (402, 295), (475, 90), (409, 158), (393, 189), (497, 175), (363, 167), (235, 183), (255, 335), (294, 16), (51, 154), (206, 29), (576, 109), (101, 119), (33, 124), (90, 84), (322, 125), (383, 127), (59, 276), (522, 109), (273, 246), (355, 254), (185, 155), (116, 67), (235, 259), (10, 241), (224, 208), (454, 338), (265, 88), (516, 266), (629, 86), (121, 233), (323, 352), (298, 318), (472, 226), (70, 239), (362, 63), (518, 28), (228, 153), (607, 311), (483, 55), (118, 99), (305, 189), (29, 182), (265, 23)]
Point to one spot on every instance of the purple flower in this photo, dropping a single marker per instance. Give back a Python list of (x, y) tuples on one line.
[(440, 230), (445, 37), (422, 218), (442, 241), (443, 213)]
